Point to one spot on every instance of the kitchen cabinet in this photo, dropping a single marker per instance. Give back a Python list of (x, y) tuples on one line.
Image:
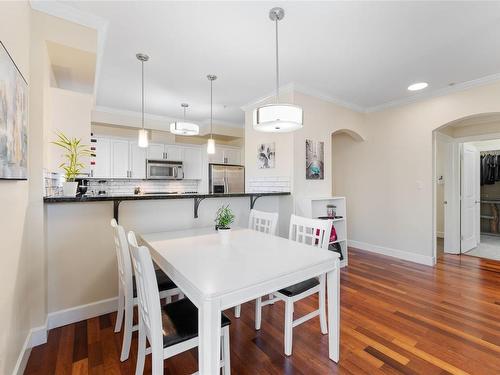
[(165, 152), (137, 161), (156, 151), (173, 153), (231, 156), (101, 162), (192, 163), (217, 157), (120, 158), (225, 155)]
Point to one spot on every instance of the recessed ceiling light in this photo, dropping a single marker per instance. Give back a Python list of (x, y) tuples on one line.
[(418, 86)]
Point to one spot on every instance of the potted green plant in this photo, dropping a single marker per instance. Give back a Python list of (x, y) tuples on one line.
[(223, 220), (72, 167)]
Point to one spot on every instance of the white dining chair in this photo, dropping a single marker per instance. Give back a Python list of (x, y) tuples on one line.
[(266, 222), (127, 290), (314, 232), (171, 329)]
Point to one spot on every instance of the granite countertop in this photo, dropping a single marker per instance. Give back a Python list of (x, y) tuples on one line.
[(133, 197)]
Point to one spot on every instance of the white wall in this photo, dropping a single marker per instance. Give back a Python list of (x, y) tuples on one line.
[(69, 114), (17, 296)]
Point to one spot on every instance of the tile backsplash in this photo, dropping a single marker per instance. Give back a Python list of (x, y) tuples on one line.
[(268, 184), (53, 185), (127, 186)]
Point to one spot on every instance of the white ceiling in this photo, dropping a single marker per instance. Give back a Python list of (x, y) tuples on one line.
[(361, 53)]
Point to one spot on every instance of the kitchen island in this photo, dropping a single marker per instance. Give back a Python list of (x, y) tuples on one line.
[(81, 261)]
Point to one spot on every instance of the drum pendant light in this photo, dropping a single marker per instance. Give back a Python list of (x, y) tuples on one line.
[(143, 133), (183, 127), (277, 117), (211, 142)]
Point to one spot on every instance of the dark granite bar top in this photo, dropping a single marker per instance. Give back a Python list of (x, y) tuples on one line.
[(132, 197)]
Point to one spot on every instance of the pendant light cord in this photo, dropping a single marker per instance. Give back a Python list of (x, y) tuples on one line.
[(277, 65), (142, 93), (211, 110)]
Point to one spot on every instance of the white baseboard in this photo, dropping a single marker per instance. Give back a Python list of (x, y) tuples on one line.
[(440, 234), (83, 312), (38, 335), (400, 254), (24, 355)]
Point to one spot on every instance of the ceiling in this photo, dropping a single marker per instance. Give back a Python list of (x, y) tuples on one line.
[(363, 54)]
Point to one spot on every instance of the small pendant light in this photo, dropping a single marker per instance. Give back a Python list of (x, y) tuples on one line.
[(143, 133), (278, 117), (183, 127), (211, 142)]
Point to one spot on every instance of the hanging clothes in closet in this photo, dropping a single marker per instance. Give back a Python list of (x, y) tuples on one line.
[(489, 167)]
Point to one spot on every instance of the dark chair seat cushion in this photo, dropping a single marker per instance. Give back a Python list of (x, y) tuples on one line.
[(298, 288), (164, 283), (180, 322)]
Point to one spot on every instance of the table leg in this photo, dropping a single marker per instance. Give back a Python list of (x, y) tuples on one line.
[(209, 331), (333, 294)]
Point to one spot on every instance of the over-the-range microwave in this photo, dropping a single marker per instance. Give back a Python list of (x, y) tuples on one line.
[(164, 170)]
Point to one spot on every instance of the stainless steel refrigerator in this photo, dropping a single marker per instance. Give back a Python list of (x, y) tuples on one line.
[(224, 178)]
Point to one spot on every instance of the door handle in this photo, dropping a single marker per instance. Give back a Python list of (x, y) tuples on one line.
[(445, 202)]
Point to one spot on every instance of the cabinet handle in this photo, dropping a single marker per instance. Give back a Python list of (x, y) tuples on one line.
[(130, 174)]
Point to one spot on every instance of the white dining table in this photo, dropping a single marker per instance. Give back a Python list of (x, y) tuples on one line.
[(215, 276)]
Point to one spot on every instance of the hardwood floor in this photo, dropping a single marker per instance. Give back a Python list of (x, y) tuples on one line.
[(396, 318)]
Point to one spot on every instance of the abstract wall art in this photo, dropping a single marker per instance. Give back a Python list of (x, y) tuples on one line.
[(315, 157), (13, 119), (266, 155)]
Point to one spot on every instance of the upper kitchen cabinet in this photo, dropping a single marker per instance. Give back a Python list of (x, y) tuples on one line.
[(166, 152), (120, 158), (225, 155), (173, 153), (192, 163), (137, 165), (156, 151), (232, 156)]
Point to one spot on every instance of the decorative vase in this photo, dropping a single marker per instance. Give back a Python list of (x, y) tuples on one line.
[(69, 189), (225, 235)]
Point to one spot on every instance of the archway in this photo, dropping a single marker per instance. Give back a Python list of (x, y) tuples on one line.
[(475, 133), (342, 142)]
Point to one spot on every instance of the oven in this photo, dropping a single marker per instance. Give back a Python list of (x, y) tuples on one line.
[(164, 170)]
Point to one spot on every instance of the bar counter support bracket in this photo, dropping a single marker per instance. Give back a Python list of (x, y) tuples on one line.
[(197, 202), (253, 198), (116, 204)]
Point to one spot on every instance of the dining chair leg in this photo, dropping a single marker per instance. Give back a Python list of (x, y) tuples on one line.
[(226, 353), (258, 313), (322, 304), (120, 311), (288, 326), (237, 311), (157, 359), (141, 351), (127, 330)]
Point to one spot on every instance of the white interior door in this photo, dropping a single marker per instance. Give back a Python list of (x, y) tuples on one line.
[(470, 185), (451, 176)]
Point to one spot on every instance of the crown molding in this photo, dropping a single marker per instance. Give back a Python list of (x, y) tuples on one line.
[(436, 93), (71, 14)]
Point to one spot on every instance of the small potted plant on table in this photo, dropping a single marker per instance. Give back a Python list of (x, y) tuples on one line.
[(73, 166), (223, 220)]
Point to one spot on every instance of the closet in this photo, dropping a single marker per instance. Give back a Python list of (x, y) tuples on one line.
[(490, 192)]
